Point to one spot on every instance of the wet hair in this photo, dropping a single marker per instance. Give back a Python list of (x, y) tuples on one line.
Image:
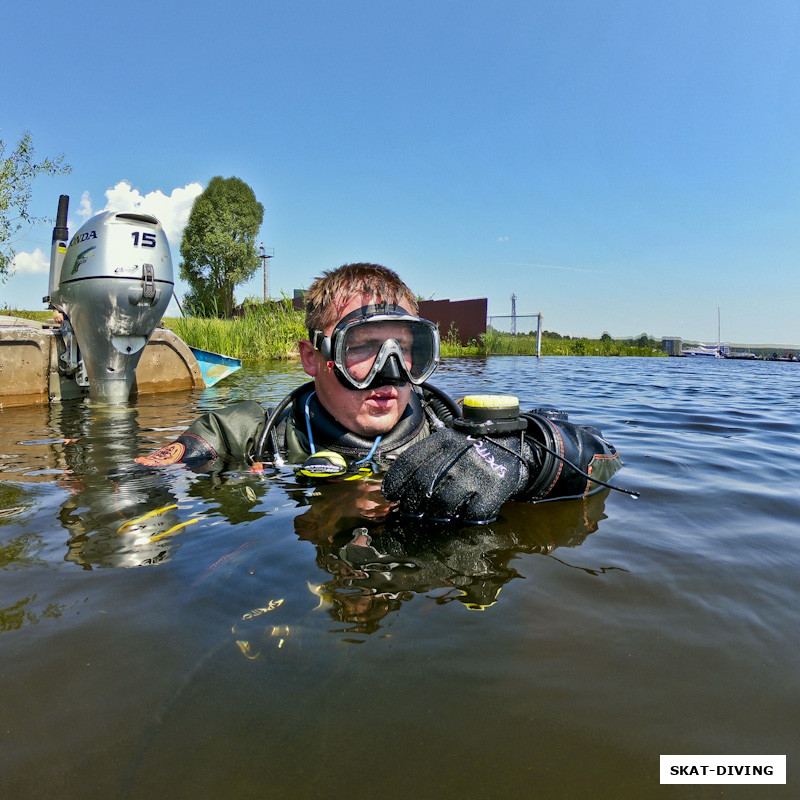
[(334, 288)]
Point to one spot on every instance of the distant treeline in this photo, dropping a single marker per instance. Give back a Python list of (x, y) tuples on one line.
[(495, 342)]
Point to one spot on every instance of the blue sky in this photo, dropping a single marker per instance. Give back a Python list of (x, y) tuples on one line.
[(620, 166)]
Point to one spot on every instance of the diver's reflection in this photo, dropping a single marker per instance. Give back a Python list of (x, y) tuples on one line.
[(381, 560)]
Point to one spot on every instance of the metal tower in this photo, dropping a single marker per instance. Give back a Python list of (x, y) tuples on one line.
[(513, 315)]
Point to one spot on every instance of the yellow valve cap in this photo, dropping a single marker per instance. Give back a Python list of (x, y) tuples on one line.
[(491, 401), (490, 406)]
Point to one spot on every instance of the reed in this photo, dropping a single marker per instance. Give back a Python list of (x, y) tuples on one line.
[(271, 331), (262, 333), (450, 345), (38, 316)]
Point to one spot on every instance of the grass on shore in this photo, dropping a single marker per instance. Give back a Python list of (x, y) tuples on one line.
[(38, 316), (497, 343), (266, 332), (262, 333)]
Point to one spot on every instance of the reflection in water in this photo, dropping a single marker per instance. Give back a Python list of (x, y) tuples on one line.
[(382, 559), (119, 514), (21, 613), (116, 515), (235, 496)]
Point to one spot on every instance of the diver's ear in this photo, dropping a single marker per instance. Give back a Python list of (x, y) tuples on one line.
[(308, 357)]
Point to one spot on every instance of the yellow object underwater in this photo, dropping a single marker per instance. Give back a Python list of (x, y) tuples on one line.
[(173, 529), (149, 515)]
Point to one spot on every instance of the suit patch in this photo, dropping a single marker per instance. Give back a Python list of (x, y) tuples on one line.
[(169, 454)]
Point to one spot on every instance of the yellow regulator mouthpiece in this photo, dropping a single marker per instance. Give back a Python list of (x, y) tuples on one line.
[(324, 464)]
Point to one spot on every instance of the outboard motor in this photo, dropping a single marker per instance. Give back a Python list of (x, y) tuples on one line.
[(114, 284)]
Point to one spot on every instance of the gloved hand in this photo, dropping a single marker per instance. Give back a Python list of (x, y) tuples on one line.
[(454, 476)]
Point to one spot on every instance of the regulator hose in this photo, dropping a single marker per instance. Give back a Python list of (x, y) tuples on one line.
[(272, 418)]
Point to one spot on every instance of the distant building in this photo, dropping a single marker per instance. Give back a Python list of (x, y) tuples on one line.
[(467, 317), (673, 345)]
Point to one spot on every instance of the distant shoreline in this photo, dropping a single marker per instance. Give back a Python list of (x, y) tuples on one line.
[(271, 333)]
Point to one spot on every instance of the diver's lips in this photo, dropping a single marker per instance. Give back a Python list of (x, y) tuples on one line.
[(382, 401)]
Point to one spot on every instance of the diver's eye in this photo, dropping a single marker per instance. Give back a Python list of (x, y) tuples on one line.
[(361, 351)]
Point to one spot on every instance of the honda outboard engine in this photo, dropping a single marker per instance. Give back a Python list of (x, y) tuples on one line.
[(114, 284)]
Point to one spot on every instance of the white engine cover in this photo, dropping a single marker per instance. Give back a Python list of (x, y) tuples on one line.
[(115, 285)]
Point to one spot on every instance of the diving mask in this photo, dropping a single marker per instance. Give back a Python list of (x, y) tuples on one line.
[(380, 345)]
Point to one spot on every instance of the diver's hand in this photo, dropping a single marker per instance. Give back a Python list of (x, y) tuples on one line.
[(453, 476)]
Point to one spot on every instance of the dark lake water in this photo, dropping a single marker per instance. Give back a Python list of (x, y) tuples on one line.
[(247, 642)]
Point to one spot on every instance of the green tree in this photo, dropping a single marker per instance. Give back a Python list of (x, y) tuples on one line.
[(218, 246), (17, 172)]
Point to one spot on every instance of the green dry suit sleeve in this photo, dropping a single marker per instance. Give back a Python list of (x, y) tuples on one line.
[(230, 434)]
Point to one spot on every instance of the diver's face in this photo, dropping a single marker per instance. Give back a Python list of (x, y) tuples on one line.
[(367, 412)]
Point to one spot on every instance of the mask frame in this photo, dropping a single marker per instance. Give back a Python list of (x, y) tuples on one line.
[(389, 366)]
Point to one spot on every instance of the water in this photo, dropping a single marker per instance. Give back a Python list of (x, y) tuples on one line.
[(267, 649)]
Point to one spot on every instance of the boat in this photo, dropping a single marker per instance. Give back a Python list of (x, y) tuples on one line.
[(707, 350), (717, 350), (215, 366), (743, 356)]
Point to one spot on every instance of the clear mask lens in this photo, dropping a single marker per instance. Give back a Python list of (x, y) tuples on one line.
[(371, 343), (361, 348)]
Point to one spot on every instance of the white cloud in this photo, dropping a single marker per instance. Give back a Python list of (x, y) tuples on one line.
[(171, 210), (502, 238), (33, 263), (85, 210)]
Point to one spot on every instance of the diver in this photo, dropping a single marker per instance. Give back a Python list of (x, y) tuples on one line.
[(369, 409)]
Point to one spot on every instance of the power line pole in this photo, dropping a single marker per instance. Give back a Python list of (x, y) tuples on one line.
[(264, 258)]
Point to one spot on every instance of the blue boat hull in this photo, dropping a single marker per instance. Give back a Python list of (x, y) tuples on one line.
[(215, 366)]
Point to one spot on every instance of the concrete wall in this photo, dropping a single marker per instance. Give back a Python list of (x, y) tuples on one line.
[(25, 358), (29, 373)]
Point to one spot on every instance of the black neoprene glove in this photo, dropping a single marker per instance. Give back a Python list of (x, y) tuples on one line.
[(451, 475)]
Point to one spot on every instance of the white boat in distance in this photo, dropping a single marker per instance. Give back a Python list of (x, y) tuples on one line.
[(717, 350), (708, 350)]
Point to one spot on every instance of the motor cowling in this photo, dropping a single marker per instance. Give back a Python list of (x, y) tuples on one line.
[(114, 286)]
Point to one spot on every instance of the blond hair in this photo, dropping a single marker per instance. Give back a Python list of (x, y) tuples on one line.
[(334, 288)]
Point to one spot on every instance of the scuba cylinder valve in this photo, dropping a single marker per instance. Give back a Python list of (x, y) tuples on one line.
[(490, 414)]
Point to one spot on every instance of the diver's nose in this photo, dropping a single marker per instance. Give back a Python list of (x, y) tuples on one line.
[(390, 374)]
